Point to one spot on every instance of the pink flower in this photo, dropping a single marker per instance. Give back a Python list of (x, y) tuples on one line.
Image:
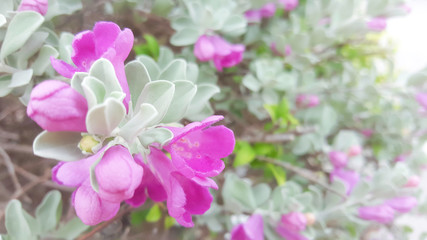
[(338, 159), (381, 213), (288, 52), (422, 99), (289, 5), (401, 158), (350, 178), (220, 51), (39, 6), (117, 175), (256, 15), (402, 204), (307, 101), (105, 41), (367, 132), (377, 24), (413, 181), (354, 150), (55, 106), (291, 225), (185, 196), (197, 149), (252, 229)]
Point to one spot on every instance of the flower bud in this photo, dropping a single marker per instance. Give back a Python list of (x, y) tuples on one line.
[(204, 49), (377, 24), (338, 159), (413, 181), (39, 6), (311, 218), (294, 221), (252, 229), (87, 143), (289, 5), (402, 204), (381, 213), (354, 151)]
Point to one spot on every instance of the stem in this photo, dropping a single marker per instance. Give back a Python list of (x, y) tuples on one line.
[(7, 69)]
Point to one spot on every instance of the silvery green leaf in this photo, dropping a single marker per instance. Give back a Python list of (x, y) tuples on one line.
[(20, 28), (195, 10), (175, 70), (137, 77), (77, 80), (165, 56), (142, 119), (103, 118), (251, 82), (103, 70), (60, 7), (234, 25), (182, 22), (332, 199), (2, 20), (6, 6), (25, 97), (155, 135), (42, 62), (270, 96), (345, 139), (184, 37), (302, 145), (159, 94), (65, 48), (94, 91), (31, 47), (328, 120), (162, 7), (21, 78), (71, 230), (4, 83), (261, 193), (204, 93), (151, 66), (49, 211), (192, 72), (184, 94), (237, 194), (62, 146), (16, 222)]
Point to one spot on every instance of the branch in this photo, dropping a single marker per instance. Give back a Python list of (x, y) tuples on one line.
[(279, 137), (302, 172), (11, 170)]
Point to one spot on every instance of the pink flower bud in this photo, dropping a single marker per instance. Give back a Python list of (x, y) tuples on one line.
[(367, 132), (307, 101), (204, 49), (377, 24), (39, 6), (268, 10), (252, 229), (401, 158), (381, 213), (289, 5), (350, 178), (413, 181), (288, 51), (294, 221), (338, 159), (55, 106), (402, 204), (422, 99), (354, 150)]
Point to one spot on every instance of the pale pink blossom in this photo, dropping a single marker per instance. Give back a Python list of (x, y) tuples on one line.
[(367, 132), (291, 225), (289, 5), (39, 6), (350, 178), (377, 24), (288, 51), (266, 11), (307, 101), (338, 159), (252, 229), (413, 182), (354, 151), (380, 213), (402, 204)]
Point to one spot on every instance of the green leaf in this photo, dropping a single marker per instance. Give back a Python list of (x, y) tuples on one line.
[(186, 36), (138, 217), (162, 7), (49, 211), (16, 224), (93, 89), (104, 118), (153, 46), (158, 135), (252, 83), (261, 193), (137, 77), (235, 25), (169, 222), (61, 146), (143, 118), (151, 66), (245, 154), (60, 7), (22, 26), (21, 78), (237, 194), (71, 230), (175, 70), (77, 80), (201, 99), (42, 61), (103, 70), (184, 94), (154, 214), (6, 6), (278, 173)]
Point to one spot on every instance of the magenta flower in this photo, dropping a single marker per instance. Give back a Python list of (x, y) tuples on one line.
[(338, 159), (288, 52), (377, 24), (290, 226), (367, 132), (381, 213), (307, 101), (350, 178), (117, 175), (55, 106), (402, 204), (220, 51), (39, 6), (422, 99), (255, 15), (413, 181), (252, 229), (289, 5), (105, 41), (354, 150), (197, 149), (185, 196)]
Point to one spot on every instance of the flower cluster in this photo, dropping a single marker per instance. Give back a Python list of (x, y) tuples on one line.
[(339, 161), (116, 172)]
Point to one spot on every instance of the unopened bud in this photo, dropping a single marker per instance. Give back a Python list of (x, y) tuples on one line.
[(311, 219), (87, 143)]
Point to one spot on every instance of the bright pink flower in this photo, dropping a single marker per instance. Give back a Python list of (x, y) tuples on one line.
[(367, 132), (354, 150), (255, 15), (413, 181), (422, 99), (105, 41), (252, 229), (185, 196), (197, 148), (117, 175), (338, 159), (377, 24), (291, 225), (350, 178), (39, 6), (381, 213), (289, 5), (55, 106), (288, 52), (307, 101), (220, 51), (402, 204)]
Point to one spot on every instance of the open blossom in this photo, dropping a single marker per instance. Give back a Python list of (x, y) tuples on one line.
[(350, 178), (289, 5), (252, 229), (105, 41), (402, 204), (338, 159), (307, 101), (39, 6), (117, 174), (55, 106), (381, 213), (290, 226), (266, 11), (221, 52), (377, 24)]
